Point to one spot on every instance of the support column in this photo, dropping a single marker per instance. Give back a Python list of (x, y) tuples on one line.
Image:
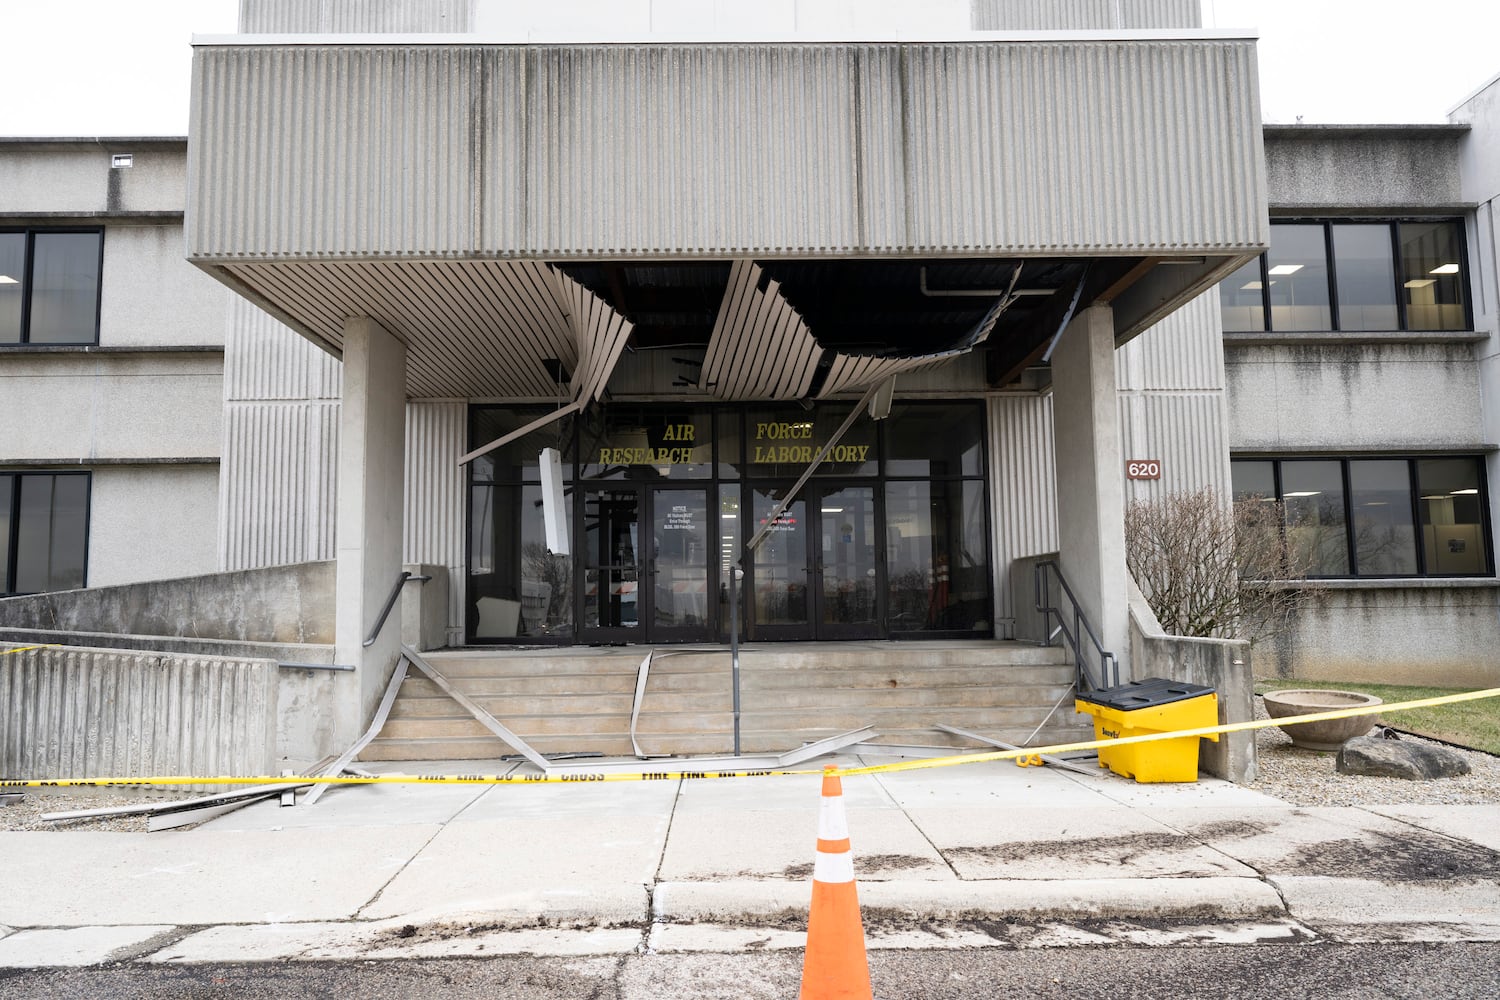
[(371, 468), (1090, 477)]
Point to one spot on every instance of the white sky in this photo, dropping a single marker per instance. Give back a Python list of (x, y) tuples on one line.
[(121, 67)]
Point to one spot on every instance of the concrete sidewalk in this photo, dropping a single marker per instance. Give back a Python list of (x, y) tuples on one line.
[(987, 854)]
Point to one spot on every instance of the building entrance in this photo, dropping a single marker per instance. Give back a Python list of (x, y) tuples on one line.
[(818, 573), (888, 538), (646, 560)]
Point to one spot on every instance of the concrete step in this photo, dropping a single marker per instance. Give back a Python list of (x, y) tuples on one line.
[(751, 679), (617, 744), (580, 724), (433, 703), (792, 656)]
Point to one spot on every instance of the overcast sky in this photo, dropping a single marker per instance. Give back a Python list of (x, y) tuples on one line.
[(121, 67)]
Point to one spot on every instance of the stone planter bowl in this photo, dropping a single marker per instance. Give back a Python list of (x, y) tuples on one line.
[(1329, 734)]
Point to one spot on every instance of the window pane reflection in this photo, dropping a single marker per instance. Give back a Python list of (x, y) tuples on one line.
[(1297, 272), (1385, 542), (12, 285), (1432, 275), (780, 562), (64, 288), (52, 536), (1365, 276), (1240, 299), (1452, 509), (1313, 496), (937, 566), (934, 441)]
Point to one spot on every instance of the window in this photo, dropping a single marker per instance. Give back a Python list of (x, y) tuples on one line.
[(44, 518), (1352, 275), (1376, 517), (49, 286)]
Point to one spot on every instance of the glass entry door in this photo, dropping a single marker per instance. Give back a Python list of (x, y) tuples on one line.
[(817, 575), (847, 566), (646, 563), (610, 582), (678, 567)]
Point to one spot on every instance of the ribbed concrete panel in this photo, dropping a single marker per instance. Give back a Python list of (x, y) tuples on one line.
[(367, 150), (682, 148), (1081, 15), (355, 16), (1183, 351), (760, 347), (1101, 146), (277, 483), (1187, 432), (677, 150), (83, 713), (1023, 487), (265, 359), (434, 508)]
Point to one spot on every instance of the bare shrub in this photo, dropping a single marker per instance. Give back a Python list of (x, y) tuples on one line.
[(1215, 571)]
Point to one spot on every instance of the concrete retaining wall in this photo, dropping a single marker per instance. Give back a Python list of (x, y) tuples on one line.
[(282, 604), (1222, 664), (1438, 633), (74, 712)]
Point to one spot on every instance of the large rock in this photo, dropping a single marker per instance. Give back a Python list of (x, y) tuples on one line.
[(1384, 758)]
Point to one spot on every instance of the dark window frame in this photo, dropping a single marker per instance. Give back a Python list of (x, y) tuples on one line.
[(8, 567), (31, 233), (1414, 494), (1393, 224), (746, 482)]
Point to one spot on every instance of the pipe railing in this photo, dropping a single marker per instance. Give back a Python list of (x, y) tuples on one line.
[(390, 602), (1109, 666)]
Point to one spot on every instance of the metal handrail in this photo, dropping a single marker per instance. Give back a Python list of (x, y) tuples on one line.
[(390, 602), (1109, 665)]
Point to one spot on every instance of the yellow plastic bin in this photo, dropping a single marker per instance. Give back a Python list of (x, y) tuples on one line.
[(1154, 705)]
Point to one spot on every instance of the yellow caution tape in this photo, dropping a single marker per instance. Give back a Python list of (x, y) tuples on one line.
[(594, 777), (22, 649)]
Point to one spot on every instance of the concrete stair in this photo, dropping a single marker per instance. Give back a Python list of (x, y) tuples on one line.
[(578, 699)]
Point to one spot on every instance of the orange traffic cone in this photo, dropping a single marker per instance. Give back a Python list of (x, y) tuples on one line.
[(834, 964)]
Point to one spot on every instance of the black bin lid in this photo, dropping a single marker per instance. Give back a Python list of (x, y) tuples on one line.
[(1149, 693)]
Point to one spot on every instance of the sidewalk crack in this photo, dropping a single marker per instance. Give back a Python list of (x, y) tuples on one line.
[(359, 913)]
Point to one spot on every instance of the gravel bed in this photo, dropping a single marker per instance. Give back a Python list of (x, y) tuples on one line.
[(1307, 777), (27, 814)]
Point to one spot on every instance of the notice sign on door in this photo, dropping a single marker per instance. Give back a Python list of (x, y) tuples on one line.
[(679, 518), (1143, 468)]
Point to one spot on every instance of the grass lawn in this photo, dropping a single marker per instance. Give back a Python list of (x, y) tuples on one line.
[(1471, 723)]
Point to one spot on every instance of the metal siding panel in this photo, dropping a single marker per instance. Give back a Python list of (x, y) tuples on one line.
[(1023, 486), (677, 150), (265, 359), (282, 17), (667, 149), (435, 490), (356, 150), (1188, 432), (1083, 15), (1183, 351), (276, 495)]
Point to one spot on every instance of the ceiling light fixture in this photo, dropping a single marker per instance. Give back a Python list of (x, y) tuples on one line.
[(1463, 493), (1281, 269), (1304, 493), (1421, 282), (6, 279), (1444, 269)]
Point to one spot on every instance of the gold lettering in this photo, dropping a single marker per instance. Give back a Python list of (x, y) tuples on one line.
[(689, 432), (671, 433)]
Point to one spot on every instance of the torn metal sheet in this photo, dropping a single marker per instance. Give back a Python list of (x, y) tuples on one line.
[(376, 725), (1049, 758), (489, 722), (831, 744)]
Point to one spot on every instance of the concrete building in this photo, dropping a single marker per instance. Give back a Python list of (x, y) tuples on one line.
[(562, 315)]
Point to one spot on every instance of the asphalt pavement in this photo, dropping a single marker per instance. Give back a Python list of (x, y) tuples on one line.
[(977, 856)]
